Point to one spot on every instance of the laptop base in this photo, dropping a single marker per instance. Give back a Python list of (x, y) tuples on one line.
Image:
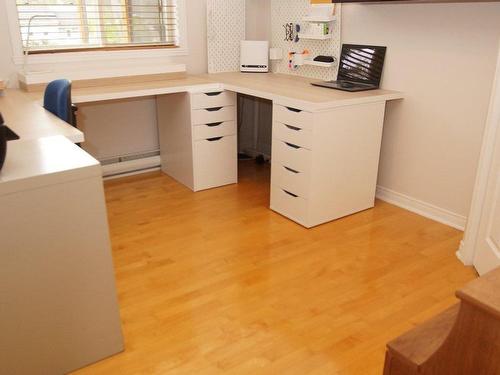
[(345, 86)]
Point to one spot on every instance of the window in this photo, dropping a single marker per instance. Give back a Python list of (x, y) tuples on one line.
[(76, 25)]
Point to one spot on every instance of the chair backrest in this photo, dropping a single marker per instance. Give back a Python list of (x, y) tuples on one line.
[(57, 99)]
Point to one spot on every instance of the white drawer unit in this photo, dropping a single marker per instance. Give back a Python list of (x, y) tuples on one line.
[(292, 116), (198, 142), (217, 129), (214, 114), (213, 99), (292, 134), (325, 164), (215, 162)]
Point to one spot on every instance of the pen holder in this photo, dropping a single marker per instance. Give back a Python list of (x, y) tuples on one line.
[(297, 59)]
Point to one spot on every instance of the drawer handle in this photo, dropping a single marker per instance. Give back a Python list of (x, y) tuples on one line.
[(293, 127), (213, 93), (215, 139), (291, 170), (294, 109), (291, 194), (292, 145), (214, 124), (215, 109)]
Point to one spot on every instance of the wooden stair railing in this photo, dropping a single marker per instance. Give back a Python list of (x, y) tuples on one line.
[(463, 340)]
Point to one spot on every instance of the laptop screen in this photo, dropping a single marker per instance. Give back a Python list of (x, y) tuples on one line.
[(359, 63)]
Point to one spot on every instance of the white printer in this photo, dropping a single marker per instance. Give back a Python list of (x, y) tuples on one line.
[(254, 56)]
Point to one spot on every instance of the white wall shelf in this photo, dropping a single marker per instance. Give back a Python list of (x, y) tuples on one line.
[(319, 19), (319, 63), (316, 37)]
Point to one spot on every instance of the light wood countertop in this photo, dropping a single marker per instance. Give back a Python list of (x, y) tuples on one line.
[(281, 88)]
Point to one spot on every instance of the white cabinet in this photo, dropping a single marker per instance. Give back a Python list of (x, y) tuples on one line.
[(198, 142), (325, 164)]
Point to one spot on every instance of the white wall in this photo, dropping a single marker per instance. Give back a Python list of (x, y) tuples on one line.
[(443, 57)]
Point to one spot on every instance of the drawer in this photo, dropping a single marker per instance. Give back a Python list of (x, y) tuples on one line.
[(217, 129), (215, 162), (294, 117), (214, 114), (292, 134), (292, 156), (213, 99), (289, 205), (290, 179)]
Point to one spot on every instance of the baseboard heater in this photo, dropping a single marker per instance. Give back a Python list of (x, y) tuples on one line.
[(119, 166)]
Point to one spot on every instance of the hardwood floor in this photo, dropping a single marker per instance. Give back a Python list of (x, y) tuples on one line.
[(216, 283)]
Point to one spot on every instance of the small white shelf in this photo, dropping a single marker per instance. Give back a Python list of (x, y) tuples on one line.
[(319, 19), (313, 36), (319, 63)]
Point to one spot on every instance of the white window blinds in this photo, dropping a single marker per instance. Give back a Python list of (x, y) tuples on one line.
[(62, 25)]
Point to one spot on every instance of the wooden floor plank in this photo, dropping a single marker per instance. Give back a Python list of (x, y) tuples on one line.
[(216, 283)]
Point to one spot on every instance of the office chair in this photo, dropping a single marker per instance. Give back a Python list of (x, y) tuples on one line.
[(57, 100)]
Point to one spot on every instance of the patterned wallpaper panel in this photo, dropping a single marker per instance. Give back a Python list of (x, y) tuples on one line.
[(225, 30), (292, 11)]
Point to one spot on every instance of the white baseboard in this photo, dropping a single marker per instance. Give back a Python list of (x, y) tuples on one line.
[(422, 208), (459, 253), (127, 168), (128, 174)]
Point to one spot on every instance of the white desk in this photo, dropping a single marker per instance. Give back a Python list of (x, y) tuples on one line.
[(326, 143)]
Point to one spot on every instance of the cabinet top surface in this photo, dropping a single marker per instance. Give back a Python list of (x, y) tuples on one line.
[(44, 161)]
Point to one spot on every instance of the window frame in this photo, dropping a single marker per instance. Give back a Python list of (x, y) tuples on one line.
[(95, 54)]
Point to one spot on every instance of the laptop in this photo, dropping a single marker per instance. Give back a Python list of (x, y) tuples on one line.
[(360, 68)]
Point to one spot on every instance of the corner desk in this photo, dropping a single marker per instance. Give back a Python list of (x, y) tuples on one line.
[(326, 143)]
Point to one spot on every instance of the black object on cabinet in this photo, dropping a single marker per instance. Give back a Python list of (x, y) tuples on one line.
[(3, 141)]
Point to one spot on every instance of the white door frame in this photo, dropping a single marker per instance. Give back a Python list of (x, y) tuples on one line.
[(468, 246)]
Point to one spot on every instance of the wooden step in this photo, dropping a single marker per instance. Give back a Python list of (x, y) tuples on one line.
[(462, 340)]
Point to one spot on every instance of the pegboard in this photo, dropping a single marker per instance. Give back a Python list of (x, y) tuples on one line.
[(292, 11), (225, 30)]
